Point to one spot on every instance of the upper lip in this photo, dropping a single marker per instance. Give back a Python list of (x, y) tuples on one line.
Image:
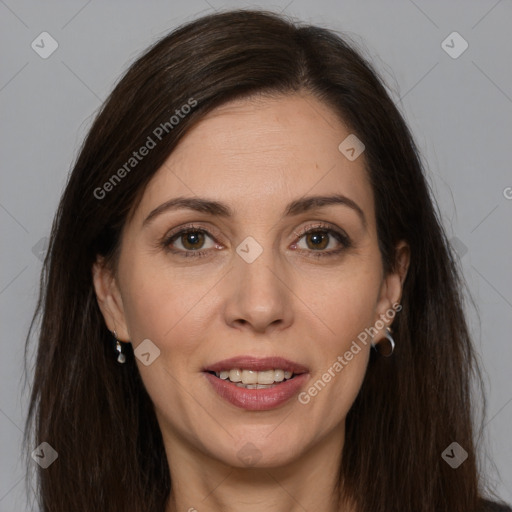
[(257, 364)]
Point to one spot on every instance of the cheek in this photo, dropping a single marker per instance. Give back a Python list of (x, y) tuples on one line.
[(345, 301), (159, 302), (169, 311), (334, 386), (348, 308)]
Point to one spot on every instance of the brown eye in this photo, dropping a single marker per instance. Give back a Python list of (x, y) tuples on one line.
[(319, 239), (192, 240), (322, 240), (188, 240)]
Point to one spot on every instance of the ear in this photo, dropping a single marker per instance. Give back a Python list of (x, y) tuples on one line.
[(391, 289), (109, 299)]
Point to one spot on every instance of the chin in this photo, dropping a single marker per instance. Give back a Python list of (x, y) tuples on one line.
[(249, 449)]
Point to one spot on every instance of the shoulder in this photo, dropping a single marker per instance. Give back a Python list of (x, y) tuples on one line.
[(492, 506)]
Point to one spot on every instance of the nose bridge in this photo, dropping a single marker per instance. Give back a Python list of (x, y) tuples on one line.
[(259, 296), (257, 266)]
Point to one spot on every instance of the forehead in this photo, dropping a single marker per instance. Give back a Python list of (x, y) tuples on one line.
[(260, 153)]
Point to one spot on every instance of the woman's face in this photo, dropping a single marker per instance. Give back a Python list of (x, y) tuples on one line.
[(252, 284)]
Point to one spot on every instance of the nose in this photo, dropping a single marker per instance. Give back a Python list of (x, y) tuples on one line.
[(260, 297)]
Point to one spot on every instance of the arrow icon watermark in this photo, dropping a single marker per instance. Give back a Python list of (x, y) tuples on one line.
[(351, 147), (147, 352)]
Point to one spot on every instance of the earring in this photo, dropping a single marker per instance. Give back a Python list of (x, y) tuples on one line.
[(391, 342), (121, 358)]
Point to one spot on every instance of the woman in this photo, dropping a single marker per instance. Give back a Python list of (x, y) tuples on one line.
[(248, 300)]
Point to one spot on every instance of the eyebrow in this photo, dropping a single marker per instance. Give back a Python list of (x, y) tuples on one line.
[(296, 207)]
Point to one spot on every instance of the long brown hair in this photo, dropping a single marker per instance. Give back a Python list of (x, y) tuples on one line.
[(98, 416)]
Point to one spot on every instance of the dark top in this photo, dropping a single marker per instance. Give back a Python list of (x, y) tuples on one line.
[(492, 506)]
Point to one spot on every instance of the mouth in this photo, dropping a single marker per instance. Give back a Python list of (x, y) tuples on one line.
[(251, 379), (256, 384)]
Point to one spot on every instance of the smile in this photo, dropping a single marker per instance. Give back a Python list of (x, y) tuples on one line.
[(256, 384)]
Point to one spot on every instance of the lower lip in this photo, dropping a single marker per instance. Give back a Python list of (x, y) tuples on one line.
[(257, 399)]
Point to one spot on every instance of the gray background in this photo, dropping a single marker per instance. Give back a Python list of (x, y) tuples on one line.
[(459, 110)]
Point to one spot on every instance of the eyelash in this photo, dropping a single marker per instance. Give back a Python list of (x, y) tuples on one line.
[(321, 228)]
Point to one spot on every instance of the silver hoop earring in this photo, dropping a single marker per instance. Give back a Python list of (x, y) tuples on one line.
[(391, 343), (121, 358)]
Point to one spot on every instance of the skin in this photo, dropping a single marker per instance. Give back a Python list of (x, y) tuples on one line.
[(256, 155)]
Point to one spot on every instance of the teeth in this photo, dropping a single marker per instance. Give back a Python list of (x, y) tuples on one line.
[(266, 377), (235, 375), (252, 379), (254, 386)]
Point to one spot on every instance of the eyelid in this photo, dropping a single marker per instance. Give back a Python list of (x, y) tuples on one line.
[(191, 227), (320, 225), (170, 236), (340, 235)]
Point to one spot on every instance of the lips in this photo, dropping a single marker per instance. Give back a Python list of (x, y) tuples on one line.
[(264, 397)]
